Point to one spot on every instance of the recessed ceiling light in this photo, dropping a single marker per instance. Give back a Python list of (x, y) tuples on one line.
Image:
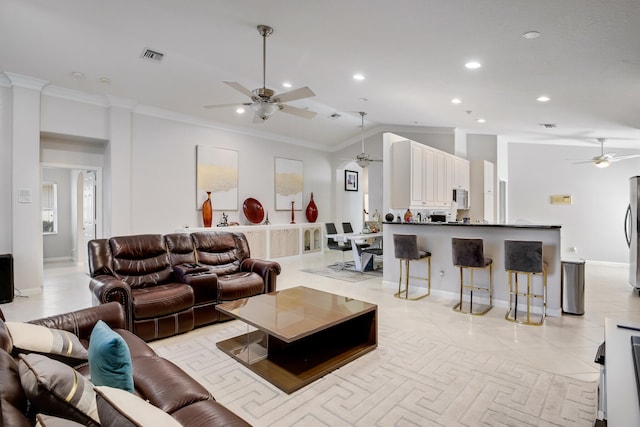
[(473, 65), (531, 35), (358, 76), (364, 99), (286, 84), (240, 110), (105, 81), (78, 74), (543, 98), (481, 121), (456, 101), (413, 122)]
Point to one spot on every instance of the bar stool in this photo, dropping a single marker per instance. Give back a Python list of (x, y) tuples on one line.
[(524, 257), (406, 249), (469, 253)]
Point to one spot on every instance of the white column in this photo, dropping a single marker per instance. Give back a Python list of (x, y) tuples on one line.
[(118, 186), (25, 200)]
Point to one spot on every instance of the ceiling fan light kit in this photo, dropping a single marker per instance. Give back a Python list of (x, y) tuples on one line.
[(264, 101)]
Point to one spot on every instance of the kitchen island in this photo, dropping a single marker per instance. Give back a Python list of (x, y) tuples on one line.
[(436, 238)]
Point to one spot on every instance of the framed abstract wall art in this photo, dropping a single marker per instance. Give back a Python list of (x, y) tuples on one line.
[(217, 172), (289, 181)]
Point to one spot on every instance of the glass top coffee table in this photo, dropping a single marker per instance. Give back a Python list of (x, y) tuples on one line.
[(301, 334)]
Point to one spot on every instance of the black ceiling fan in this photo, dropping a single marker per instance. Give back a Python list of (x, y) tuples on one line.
[(264, 101)]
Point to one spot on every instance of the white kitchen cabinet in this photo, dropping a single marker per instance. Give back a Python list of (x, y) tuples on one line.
[(482, 192), (423, 177), (461, 176)]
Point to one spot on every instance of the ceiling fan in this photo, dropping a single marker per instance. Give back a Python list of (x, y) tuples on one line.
[(363, 159), (605, 159), (264, 101)]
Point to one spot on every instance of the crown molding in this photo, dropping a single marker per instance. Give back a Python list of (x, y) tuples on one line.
[(25, 81), (75, 95)]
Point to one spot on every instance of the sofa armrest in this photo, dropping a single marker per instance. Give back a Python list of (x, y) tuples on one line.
[(268, 270), (107, 289), (81, 322)]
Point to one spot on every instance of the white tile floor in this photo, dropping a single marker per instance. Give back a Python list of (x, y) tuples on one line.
[(564, 345)]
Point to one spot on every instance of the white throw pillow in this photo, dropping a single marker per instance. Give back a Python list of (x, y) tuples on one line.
[(117, 408)]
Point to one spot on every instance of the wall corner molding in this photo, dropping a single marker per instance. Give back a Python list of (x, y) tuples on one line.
[(25, 81)]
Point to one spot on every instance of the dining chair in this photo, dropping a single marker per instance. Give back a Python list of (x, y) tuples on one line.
[(335, 245), (347, 228)]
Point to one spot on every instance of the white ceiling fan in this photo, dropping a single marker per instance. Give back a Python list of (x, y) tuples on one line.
[(264, 101), (605, 159), (363, 159)]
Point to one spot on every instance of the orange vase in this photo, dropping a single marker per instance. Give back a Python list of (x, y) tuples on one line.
[(207, 211), (312, 210)]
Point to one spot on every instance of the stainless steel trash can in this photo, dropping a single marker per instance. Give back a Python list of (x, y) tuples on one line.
[(572, 283)]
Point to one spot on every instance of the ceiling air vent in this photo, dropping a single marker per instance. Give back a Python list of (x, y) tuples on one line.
[(549, 125), (335, 116), (152, 55)]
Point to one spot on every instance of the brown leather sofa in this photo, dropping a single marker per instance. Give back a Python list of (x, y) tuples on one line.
[(156, 379), (171, 284)]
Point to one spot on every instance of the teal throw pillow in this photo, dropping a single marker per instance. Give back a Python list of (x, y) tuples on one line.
[(109, 358)]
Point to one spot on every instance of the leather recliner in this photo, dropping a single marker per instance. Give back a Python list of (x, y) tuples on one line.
[(171, 284)]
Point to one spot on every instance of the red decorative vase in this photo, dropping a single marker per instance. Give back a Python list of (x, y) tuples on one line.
[(207, 211), (312, 210), (292, 216)]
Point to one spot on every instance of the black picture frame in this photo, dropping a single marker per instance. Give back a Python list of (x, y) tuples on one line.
[(350, 180)]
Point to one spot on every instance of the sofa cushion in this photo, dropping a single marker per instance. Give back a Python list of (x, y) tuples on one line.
[(35, 338), (239, 285), (180, 247), (57, 389), (109, 358), (161, 300), (172, 390), (140, 260), (218, 250), (13, 401), (117, 408)]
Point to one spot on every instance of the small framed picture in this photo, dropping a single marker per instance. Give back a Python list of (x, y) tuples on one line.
[(350, 180)]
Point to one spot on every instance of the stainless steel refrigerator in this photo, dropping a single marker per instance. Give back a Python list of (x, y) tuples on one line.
[(631, 231)]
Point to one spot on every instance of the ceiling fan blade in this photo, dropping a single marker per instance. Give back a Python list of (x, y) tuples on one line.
[(237, 86), (292, 95), (631, 156), (237, 104), (586, 161), (297, 111)]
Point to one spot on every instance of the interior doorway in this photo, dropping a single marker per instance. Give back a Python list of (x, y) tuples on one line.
[(78, 210)]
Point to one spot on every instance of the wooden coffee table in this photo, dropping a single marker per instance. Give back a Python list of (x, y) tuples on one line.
[(302, 334)]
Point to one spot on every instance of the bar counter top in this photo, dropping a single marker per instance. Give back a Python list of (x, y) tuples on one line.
[(477, 224)]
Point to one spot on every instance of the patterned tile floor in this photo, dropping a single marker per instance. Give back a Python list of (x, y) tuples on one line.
[(564, 345)]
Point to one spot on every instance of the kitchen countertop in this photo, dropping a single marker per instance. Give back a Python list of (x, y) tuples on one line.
[(476, 224)]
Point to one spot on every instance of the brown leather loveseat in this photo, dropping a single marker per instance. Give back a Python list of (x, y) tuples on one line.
[(171, 284), (155, 379)]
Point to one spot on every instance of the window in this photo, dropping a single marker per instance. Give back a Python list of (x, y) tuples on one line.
[(49, 200)]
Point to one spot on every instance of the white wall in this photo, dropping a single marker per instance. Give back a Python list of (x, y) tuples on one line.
[(6, 237), (594, 222), (163, 187), (60, 245)]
